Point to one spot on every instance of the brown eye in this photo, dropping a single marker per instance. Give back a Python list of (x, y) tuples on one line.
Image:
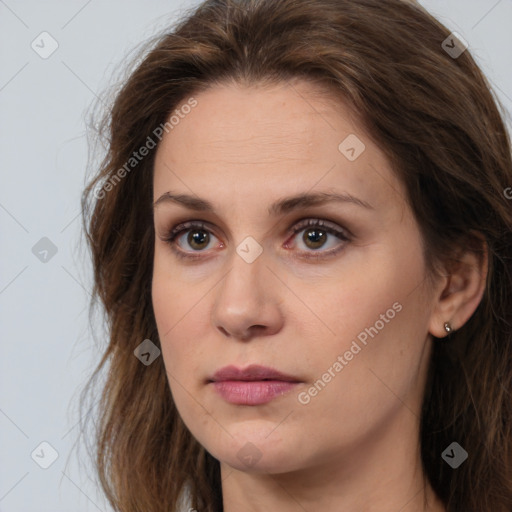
[(317, 234), (314, 236), (198, 238)]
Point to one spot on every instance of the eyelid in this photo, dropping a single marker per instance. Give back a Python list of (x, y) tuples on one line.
[(320, 223), (185, 226)]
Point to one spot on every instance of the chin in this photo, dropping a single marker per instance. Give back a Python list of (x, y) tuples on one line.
[(257, 454)]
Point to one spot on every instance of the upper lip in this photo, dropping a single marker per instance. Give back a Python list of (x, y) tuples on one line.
[(251, 373)]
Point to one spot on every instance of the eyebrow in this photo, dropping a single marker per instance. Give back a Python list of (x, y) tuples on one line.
[(280, 207)]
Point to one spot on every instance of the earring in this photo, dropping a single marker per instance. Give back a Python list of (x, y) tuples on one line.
[(447, 327)]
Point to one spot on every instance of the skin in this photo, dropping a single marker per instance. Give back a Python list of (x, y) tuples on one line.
[(355, 445)]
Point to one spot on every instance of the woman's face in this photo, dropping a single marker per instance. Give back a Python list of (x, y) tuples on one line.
[(342, 308)]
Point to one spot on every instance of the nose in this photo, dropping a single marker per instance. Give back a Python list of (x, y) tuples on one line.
[(247, 301)]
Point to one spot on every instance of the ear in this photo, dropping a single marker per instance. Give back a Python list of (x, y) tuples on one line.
[(460, 291)]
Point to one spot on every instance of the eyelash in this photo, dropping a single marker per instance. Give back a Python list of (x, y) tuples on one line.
[(197, 225)]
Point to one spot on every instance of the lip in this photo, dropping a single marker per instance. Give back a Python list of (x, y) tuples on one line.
[(251, 373), (254, 385)]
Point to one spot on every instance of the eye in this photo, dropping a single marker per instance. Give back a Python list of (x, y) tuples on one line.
[(317, 232), (198, 237)]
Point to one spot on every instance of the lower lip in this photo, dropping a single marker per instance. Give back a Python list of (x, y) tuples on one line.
[(252, 392)]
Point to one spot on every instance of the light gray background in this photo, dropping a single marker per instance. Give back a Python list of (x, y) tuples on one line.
[(47, 351)]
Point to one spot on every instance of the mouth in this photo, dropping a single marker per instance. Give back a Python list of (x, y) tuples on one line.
[(254, 385)]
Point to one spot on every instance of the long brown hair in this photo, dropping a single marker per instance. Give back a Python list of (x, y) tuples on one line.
[(434, 115)]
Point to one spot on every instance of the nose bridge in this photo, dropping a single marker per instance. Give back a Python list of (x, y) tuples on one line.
[(242, 287), (244, 297)]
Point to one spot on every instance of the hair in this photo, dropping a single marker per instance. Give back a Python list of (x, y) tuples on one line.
[(442, 127)]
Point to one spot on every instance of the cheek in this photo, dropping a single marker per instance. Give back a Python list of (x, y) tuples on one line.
[(178, 352), (376, 317), (356, 302), (164, 306), (177, 314), (169, 295)]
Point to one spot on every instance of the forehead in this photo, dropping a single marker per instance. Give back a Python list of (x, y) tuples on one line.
[(283, 139), (282, 120)]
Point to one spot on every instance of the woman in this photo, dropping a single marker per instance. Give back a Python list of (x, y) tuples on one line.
[(302, 240)]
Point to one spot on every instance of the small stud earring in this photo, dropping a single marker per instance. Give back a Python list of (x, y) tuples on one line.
[(447, 327)]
